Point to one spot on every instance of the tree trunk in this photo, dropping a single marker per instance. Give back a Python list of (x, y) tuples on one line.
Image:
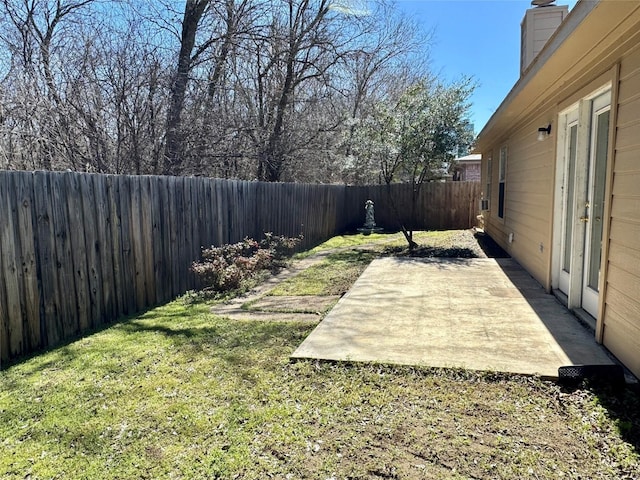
[(272, 159), (408, 234), (193, 11)]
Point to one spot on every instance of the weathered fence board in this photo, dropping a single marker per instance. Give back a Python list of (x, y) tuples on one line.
[(103, 249), (92, 243), (78, 251), (46, 259), (9, 255), (5, 351), (64, 262), (115, 256), (29, 298), (157, 266)]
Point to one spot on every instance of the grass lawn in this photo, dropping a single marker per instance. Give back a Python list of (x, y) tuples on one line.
[(343, 265), (333, 276), (378, 241), (180, 393)]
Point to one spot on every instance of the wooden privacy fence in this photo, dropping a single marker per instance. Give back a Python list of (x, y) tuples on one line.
[(439, 206), (78, 251), (81, 250)]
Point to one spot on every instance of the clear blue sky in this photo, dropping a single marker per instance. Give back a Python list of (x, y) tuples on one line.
[(480, 38)]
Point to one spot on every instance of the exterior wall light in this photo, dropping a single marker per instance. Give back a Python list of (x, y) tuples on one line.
[(543, 132)]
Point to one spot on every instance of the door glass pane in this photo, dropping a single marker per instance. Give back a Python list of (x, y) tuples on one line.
[(569, 184), (502, 175), (597, 201)]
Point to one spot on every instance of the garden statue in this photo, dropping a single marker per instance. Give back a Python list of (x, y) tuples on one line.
[(369, 220)]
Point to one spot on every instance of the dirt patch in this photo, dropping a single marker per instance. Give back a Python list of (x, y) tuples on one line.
[(454, 244), (268, 316), (293, 303)]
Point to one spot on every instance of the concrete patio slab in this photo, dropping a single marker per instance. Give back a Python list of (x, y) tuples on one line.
[(480, 314)]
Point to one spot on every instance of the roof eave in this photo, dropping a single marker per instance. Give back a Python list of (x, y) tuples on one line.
[(576, 16)]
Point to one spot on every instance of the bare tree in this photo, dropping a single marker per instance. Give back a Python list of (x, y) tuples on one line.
[(307, 45), (193, 12), (34, 32), (255, 89), (393, 55)]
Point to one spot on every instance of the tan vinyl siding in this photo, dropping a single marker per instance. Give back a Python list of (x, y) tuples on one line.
[(545, 27), (628, 112), (622, 303), (628, 138), (528, 199), (622, 341)]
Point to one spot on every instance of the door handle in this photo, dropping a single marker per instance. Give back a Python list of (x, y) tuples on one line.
[(584, 219)]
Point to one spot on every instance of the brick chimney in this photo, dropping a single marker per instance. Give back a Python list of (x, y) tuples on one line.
[(538, 25)]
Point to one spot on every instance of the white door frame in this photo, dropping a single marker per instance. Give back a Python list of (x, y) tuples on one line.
[(567, 121), (571, 284)]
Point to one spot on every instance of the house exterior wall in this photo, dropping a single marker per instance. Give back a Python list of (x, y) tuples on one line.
[(528, 201), (621, 320), (601, 47), (529, 207)]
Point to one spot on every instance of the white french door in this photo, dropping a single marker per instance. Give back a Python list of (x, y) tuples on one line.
[(594, 205), (568, 197), (584, 143)]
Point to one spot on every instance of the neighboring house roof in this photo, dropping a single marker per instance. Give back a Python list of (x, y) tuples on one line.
[(590, 38), (474, 157)]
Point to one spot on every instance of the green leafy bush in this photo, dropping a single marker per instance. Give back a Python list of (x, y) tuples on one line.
[(226, 267)]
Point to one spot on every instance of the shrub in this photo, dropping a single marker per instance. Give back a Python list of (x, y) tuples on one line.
[(281, 247), (226, 267)]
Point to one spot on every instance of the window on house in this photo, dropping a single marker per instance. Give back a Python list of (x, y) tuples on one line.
[(502, 175), (487, 192)]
